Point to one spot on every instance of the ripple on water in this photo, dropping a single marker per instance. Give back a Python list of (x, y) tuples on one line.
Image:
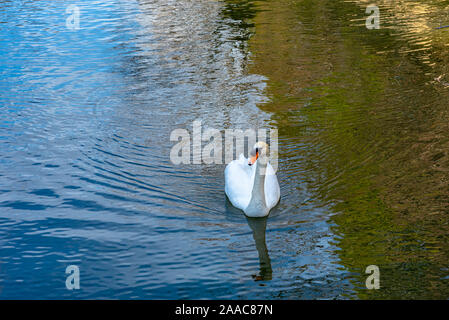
[(86, 117)]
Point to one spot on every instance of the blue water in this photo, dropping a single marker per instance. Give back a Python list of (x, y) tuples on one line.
[(85, 173)]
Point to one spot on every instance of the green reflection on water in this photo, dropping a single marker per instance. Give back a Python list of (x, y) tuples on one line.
[(363, 116)]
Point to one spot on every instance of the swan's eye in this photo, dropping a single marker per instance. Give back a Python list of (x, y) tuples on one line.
[(257, 150)]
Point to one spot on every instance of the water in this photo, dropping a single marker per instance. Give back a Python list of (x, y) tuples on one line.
[(86, 178)]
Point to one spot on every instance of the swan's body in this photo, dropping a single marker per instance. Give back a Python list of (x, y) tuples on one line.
[(252, 188)]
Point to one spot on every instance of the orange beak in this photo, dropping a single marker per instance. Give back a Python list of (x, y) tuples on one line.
[(253, 159)]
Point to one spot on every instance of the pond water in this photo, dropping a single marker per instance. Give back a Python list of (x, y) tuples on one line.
[(86, 178)]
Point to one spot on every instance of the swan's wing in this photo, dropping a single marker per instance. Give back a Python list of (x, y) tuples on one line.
[(272, 190), (238, 182)]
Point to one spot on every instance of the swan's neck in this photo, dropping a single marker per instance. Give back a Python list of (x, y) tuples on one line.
[(257, 205)]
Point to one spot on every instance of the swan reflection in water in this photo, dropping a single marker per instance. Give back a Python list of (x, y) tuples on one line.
[(259, 226)]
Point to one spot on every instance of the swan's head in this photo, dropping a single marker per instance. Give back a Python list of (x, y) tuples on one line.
[(260, 150)]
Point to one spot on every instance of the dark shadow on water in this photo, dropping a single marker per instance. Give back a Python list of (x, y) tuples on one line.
[(259, 227)]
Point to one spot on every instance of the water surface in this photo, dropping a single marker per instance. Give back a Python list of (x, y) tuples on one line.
[(86, 178)]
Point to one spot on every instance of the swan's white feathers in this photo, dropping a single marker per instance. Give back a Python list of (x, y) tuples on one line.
[(272, 190), (239, 179)]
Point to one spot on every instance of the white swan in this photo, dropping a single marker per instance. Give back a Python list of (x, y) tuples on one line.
[(251, 184)]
